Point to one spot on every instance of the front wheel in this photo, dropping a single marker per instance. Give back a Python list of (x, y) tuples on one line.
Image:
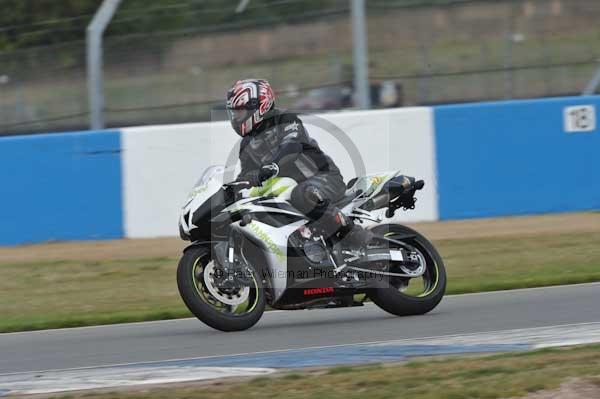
[(225, 309), (405, 296)]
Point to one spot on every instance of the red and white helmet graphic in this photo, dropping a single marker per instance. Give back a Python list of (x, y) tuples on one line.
[(248, 101)]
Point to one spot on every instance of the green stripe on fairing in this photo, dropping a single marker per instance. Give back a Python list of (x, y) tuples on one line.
[(280, 190), (265, 188)]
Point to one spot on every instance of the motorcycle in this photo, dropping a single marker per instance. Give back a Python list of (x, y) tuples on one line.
[(251, 249)]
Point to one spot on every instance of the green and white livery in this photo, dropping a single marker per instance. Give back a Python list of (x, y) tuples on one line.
[(251, 248)]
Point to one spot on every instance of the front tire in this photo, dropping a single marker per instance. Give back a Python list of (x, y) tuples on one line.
[(395, 298), (202, 301)]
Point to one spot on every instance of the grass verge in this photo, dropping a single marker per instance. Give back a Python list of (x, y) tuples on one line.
[(67, 293), (496, 376)]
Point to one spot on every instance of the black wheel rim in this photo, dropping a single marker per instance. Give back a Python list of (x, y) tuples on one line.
[(418, 287), (240, 304)]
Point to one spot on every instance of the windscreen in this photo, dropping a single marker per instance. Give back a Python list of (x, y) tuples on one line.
[(210, 173)]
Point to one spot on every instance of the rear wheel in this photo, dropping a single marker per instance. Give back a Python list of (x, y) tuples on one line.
[(404, 296), (224, 309)]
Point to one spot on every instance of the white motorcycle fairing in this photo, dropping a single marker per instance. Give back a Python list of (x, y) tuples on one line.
[(272, 198)]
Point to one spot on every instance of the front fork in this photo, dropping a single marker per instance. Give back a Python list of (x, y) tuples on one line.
[(232, 266)]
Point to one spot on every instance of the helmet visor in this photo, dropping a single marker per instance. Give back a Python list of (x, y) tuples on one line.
[(238, 115)]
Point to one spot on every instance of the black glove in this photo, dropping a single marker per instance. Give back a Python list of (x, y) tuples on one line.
[(256, 177), (251, 177), (268, 171)]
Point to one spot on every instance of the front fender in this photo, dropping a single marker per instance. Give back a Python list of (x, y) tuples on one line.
[(259, 266)]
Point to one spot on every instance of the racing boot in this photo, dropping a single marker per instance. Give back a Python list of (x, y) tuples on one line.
[(330, 221), (351, 234)]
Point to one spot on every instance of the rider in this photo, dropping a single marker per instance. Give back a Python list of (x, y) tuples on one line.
[(275, 143)]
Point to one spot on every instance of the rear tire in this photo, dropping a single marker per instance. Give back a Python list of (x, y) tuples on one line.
[(192, 295), (394, 301)]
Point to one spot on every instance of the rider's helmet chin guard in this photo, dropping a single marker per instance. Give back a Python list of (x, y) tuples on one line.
[(248, 101)]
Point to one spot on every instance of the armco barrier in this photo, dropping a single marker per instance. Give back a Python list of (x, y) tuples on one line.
[(518, 157), (60, 187)]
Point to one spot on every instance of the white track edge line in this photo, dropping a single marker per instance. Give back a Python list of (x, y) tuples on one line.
[(399, 341)]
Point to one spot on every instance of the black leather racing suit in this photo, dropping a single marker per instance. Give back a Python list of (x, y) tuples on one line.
[(282, 139)]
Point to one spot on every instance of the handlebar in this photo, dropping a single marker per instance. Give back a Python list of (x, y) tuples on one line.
[(240, 185), (234, 188)]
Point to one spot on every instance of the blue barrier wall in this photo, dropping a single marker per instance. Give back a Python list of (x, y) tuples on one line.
[(493, 159), (60, 187), (514, 157)]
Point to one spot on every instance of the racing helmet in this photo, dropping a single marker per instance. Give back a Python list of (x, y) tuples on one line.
[(248, 101)]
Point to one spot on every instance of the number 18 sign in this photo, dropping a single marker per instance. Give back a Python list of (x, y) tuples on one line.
[(580, 118)]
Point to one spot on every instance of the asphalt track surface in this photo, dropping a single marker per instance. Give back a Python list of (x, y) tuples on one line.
[(281, 330)]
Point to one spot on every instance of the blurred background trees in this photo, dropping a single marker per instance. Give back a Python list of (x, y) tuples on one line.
[(27, 23), (170, 61)]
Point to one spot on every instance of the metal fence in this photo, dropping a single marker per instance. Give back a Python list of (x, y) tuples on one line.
[(455, 52)]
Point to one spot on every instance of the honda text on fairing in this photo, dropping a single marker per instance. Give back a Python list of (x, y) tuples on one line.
[(250, 248)]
